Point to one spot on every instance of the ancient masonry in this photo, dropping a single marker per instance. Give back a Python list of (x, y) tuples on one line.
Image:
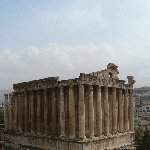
[(92, 112)]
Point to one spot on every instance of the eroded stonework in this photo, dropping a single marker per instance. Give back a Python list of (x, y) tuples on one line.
[(92, 112)]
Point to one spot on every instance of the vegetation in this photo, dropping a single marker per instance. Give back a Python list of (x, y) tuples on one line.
[(144, 141)]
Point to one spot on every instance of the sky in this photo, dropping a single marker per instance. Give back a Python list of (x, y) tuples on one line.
[(43, 38)]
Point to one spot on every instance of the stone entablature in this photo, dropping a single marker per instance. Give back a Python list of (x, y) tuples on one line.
[(105, 77), (95, 105)]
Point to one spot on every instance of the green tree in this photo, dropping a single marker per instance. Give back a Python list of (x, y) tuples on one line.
[(144, 143)]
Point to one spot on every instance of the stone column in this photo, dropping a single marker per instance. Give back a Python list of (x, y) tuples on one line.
[(91, 111), (81, 112), (6, 114), (15, 123), (106, 112), (99, 111), (22, 111), (10, 112), (19, 112), (62, 112), (46, 111), (38, 113), (131, 111), (71, 113), (26, 112), (126, 118), (32, 111), (53, 111), (13, 112), (114, 111), (120, 119)]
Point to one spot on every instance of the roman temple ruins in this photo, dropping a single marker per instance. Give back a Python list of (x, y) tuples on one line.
[(92, 112)]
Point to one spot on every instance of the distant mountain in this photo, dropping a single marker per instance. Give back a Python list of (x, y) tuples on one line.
[(2, 92)]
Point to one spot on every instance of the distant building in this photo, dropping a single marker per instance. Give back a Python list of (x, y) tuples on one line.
[(142, 106)]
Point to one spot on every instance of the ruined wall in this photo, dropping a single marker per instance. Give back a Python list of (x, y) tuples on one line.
[(95, 105)]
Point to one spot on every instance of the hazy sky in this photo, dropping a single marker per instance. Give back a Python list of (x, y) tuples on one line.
[(42, 38)]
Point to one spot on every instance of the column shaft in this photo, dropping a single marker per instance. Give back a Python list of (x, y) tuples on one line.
[(22, 112), (26, 112), (99, 111), (62, 112), (46, 111), (6, 114), (53, 112), (71, 113), (91, 111), (120, 111), (131, 111), (19, 112), (38, 118), (114, 111), (106, 112), (81, 112), (32, 112), (13, 112), (10, 113), (126, 119), (15, 123)]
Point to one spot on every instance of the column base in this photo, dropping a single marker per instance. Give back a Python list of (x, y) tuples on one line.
[(62, 136), (43, 143), (82, 138), (72, 137)]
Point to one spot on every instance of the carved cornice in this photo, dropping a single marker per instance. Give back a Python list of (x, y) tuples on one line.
[(107, 77)]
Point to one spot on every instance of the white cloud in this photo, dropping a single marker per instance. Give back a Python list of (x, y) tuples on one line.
[(67, 61)]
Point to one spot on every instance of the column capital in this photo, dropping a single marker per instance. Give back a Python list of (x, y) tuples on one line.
[(120, 90), (61, 87), (90, 87), (106, 88), (10, 94), (71, 86), (6, 95), (38, 91), (18, 94), (131, 91), (45, 91), (98, 88), (22, 94), (126, 90), (15, 93), (114, 89), (81, 86), (31, 93)]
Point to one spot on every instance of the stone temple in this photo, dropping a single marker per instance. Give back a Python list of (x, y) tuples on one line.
[(92, 112)]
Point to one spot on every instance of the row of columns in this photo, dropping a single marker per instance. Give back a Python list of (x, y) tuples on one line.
[(26, 110)]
